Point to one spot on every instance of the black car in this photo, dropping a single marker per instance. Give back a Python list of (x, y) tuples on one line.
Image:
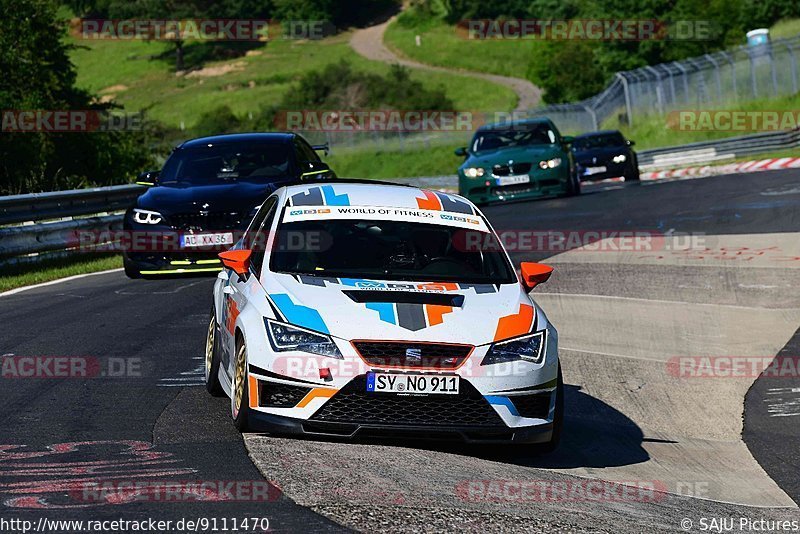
[(205, 196), (605, 154)]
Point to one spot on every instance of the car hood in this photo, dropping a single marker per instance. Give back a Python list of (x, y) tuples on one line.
[(237, 196), (408, 311), (501, 156)]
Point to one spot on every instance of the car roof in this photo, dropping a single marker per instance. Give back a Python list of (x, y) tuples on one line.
[(279, 137), (599, 132), (342, 193), (523, 122)]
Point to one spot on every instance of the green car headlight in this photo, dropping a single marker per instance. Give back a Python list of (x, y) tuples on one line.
[(474, 172), (550, 163), (285, 337), (529, 348)]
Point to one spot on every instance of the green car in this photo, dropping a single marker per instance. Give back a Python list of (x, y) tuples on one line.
[(520, 160)]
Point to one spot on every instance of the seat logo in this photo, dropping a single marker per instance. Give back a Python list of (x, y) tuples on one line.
[(414, 355)]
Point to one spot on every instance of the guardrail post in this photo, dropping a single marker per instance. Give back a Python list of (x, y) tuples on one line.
[(628, 107)]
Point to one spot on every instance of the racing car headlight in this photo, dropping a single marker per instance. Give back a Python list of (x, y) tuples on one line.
[(285, 337), (146, 216), (550, 163), (619, 159), (529, 348), (473, 172)]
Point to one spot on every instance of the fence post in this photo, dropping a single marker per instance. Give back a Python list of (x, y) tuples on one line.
[(717, 77), (685, 75), (733, 75), (790, 49), (772, 69), (753, 81), (628, 107)]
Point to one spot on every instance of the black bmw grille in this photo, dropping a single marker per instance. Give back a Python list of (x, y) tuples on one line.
[(354, 405), (537, 405), (515, 168), (215, 220), (275, 395), (413, 355)]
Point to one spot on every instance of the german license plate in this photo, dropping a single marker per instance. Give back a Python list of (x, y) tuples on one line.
[(513, 180), (594, 170), (412, 383), (206, 240)]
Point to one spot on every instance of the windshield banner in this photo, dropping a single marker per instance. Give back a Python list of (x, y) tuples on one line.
[(381, 213)]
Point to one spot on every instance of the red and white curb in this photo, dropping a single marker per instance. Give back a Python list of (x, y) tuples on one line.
[(730, 168)]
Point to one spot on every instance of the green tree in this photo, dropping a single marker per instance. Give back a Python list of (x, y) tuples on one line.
[(38, 75)]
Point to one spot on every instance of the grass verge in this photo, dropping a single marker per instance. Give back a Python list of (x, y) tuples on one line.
[(378, 164), (141, 80), (442, 45), (15, 276)]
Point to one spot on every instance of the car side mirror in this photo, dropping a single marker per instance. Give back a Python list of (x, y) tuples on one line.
[(532, 274), (630, 143), (314, 169), (462, 152), (148, 178), (238, 260), (567, 139)]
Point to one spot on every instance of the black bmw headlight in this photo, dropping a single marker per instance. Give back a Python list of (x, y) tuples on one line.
[(529, 348)]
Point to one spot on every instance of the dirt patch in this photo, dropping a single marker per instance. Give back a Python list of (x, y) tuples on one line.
[(114, 89), (218, 70)]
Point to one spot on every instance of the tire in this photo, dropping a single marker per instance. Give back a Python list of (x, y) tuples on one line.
[(558, 419), (573, 185), (130, 270), (633, 174), (240, 401), (212, 358)]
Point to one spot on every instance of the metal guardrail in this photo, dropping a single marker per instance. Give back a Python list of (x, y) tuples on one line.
[(58, 204), (44, 232), (729, 147)]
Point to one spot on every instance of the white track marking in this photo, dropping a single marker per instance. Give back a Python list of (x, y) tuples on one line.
[(54, 282)]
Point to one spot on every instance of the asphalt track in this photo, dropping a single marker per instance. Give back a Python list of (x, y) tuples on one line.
[(622, 316)]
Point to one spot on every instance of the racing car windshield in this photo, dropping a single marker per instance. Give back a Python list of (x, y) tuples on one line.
[(216, 164), (529, 135), (390, 250), (598, 141)]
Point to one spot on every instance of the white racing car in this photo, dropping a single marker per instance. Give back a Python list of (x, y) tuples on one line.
[(352, 309)]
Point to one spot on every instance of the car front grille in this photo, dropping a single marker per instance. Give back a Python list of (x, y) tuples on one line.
[(274, 395), (513, 169), (413, 355), (211, 221), (536, 405), (353, 404)]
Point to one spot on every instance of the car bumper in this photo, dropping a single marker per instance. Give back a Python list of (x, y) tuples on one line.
[(177, 263), (613, 170), (480, 193), (276, 424)]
